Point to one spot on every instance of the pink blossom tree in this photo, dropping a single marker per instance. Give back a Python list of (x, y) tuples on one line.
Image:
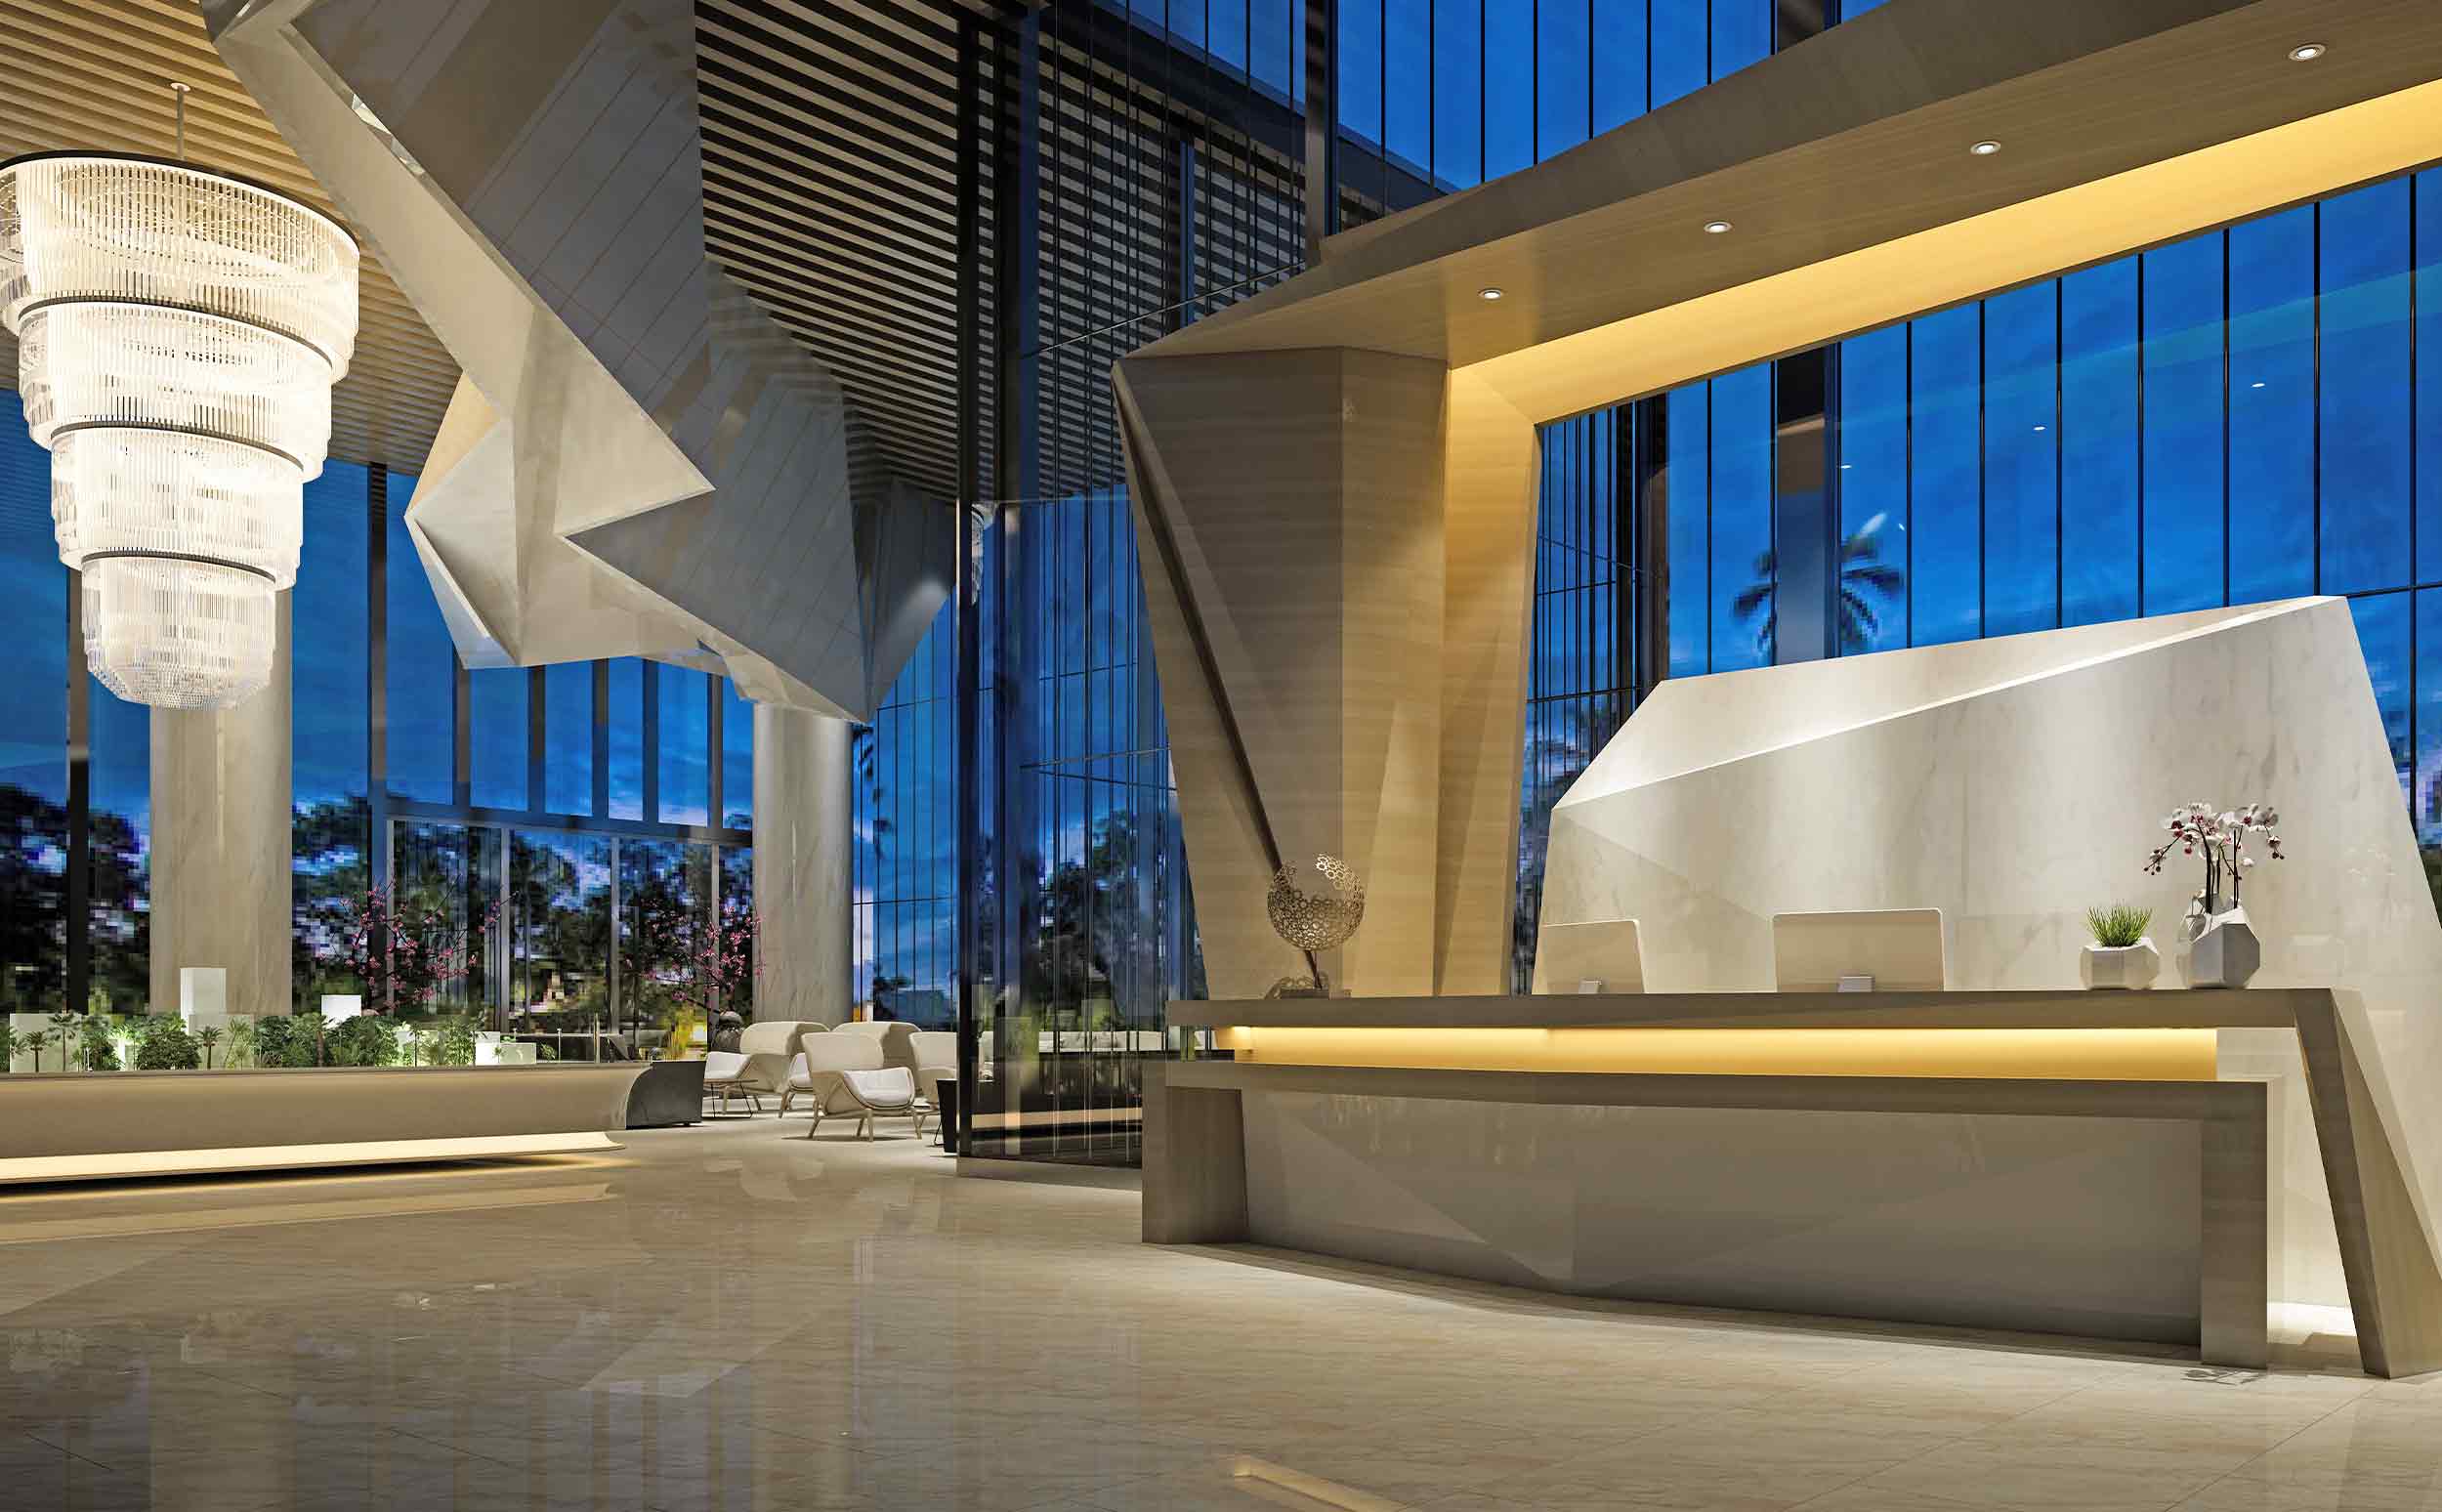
[(403, 953)]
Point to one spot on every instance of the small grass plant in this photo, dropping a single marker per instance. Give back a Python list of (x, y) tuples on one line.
[(2117, 926)]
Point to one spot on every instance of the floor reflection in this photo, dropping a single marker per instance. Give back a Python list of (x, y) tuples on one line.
[(731, 1318)]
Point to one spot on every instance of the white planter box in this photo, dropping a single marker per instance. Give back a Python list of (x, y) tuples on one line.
[(2123, 967)]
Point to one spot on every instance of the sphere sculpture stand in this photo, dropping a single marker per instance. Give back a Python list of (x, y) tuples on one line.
[(1314, 922)]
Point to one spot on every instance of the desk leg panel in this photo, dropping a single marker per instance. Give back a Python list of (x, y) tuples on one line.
[(1194, 1165)]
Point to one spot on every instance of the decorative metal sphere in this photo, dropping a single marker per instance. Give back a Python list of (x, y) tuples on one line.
[(1309, 921)]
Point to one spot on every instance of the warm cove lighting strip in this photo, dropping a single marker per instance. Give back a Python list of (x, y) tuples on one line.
[(140, 1163), (2076, 1055)]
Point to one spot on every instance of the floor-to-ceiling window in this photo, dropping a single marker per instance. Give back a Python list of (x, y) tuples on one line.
[(34, 739), (330, 761), (497, 797), (2253, 413), (1091, 914), (1156, 169), (905, 870)]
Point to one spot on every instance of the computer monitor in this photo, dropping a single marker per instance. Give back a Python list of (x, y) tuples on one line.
[(1888, 949), (1569, 956)]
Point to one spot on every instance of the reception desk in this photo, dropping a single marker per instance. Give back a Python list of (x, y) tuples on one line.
[(2072, 1162), (104, 1125)]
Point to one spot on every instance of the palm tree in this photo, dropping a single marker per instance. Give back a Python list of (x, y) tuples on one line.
[(1862, 571), (63, 1032)]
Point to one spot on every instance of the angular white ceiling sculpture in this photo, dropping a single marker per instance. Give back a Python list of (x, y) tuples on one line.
[(2012, 783), (637, 459)]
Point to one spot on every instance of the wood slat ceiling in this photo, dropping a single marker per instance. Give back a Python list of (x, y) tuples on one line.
[(830, 142), (830, 192), (96, 73)]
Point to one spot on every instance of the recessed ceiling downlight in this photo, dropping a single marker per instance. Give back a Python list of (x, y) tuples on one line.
[(1487, 294), (1986, 148), (1716, 228), (2307, 52)]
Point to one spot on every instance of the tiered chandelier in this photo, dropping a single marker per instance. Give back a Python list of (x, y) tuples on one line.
[(178, 332)]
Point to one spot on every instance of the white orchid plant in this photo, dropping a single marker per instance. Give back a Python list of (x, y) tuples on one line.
[(2222, 838)]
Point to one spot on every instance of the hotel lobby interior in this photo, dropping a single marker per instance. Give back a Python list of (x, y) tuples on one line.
[(1110, 754)]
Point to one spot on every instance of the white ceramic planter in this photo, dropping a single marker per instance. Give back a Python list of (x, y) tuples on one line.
[(2226, 954), (2123, 967)]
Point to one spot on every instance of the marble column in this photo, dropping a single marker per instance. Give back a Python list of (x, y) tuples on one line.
[(802, 826), (221, 843)]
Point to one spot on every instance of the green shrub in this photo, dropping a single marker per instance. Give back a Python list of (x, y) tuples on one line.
[(162, 1043), (2118, 925), (368, 1040), (93, 1044), (456, 1045), (288, 1040)]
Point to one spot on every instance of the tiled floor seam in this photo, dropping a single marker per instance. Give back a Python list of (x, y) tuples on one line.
[(2232, 1473)]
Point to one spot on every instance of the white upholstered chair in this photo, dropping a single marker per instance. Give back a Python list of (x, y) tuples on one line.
[(725, 1078), (894, 1036), (760, 1065), (845, 1077)]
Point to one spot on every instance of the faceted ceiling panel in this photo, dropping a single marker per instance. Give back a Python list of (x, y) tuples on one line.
[(641, 461)]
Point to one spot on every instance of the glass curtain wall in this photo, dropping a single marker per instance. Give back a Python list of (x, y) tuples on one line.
[(501, 797), (1148, 165), (2253, 414), (905, 872), (1438, 94)]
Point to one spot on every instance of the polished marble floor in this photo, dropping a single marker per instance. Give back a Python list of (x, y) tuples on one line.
[(727, 1318)]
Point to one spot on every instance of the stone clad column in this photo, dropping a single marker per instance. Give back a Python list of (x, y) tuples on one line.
[(222, 830), (802, 823)]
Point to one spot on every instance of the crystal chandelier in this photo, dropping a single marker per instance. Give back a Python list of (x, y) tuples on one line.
[(178, 333)]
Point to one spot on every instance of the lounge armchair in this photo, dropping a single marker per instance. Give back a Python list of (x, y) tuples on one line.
[(759, 1066), (844, 1077), (895, 1037), (724, 1077)]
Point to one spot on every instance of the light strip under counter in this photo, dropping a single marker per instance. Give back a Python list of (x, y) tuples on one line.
[(2040, 1035), (2087, 1055)]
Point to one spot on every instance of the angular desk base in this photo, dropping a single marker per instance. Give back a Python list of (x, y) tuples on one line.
[(1197, 1191)]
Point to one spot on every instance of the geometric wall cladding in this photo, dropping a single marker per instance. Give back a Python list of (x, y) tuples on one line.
[(639, 460)]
